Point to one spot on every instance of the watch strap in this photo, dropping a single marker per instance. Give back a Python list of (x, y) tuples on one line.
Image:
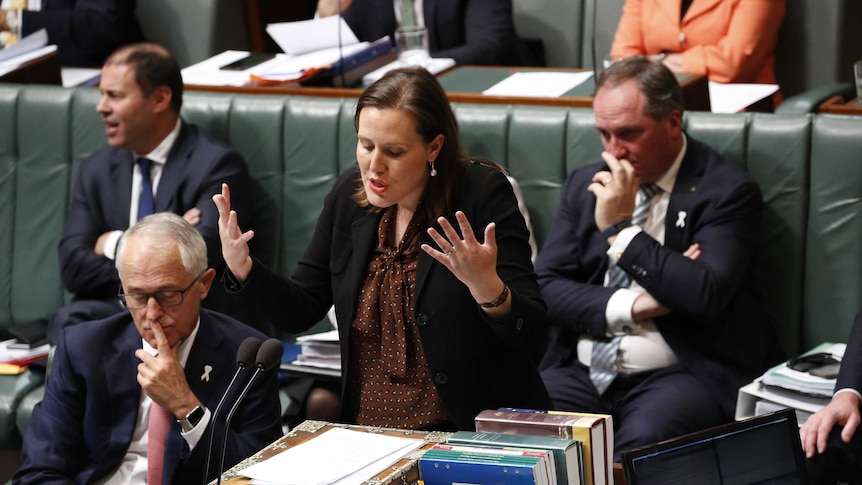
[(616, 227)]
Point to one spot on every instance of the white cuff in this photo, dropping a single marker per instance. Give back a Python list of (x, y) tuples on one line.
[(618, 313), (111, 245)]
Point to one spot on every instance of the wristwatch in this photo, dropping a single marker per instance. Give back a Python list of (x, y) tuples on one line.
[(616, 227), (192, 419)]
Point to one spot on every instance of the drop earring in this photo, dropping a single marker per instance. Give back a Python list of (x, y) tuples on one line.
[(433, 170)]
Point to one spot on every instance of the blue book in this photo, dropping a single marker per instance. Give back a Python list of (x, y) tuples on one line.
[(568, 453), (457, 464)]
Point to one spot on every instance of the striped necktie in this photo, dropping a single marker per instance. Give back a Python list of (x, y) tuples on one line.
[(408, 13), (603, 363)]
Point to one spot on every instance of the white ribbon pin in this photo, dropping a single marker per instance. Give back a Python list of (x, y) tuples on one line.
[(206, 374), (680, 221)]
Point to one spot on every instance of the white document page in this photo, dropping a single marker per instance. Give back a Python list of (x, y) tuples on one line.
[(338, 455), (208, 72), (538, 84), (434, 66), (732, 98), (303, 36), (24, 45)]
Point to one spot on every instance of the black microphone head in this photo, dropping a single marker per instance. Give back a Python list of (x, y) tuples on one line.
[(247, 351), (269, 354)]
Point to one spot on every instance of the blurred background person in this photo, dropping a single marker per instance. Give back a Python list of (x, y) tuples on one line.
[(469, 31), (731, 41), (85, 31)]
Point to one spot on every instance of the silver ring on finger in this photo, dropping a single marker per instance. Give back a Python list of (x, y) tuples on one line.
[(450, 251)]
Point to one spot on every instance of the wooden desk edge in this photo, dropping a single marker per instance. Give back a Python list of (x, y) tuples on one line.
[(837, 105)]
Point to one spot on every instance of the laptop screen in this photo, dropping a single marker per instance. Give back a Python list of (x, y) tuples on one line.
[(763, 449)]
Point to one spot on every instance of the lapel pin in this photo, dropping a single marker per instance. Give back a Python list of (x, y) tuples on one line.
[(206, 375), (680, 219)]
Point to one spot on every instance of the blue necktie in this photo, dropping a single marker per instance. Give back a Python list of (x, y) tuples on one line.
[(146, 205), (603, 363)]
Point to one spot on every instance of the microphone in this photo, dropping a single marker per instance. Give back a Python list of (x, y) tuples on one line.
[(268, 356), (245, 356)]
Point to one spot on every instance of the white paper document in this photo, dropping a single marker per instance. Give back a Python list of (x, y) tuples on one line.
[(538, 84), (337, 456), (303, 36), (27, 44), (434, 66), (734, 97)]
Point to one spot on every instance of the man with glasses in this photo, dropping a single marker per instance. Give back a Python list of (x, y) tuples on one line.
[(164, 361), (154, 162)]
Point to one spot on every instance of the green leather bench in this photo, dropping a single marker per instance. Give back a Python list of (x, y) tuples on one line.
[(809, 168)]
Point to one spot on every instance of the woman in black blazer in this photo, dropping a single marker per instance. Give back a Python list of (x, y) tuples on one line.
[(426, 257)]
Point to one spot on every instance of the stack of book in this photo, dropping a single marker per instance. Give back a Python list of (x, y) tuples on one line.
[(319, 350), (593, 431), (15, 356), (783, 387), (567, 453), (449, 464)]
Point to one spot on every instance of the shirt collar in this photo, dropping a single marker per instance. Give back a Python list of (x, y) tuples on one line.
[(160, 153), (667, 181)]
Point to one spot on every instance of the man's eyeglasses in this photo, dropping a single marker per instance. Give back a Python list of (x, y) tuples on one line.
[(165, 298)]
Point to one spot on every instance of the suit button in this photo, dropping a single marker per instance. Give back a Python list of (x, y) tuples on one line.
[(519, 324), (423, 320), (440, 378)]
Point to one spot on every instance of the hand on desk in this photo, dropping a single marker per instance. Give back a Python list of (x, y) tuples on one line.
[(843, 410)]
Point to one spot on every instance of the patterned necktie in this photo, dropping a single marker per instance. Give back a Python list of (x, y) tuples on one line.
[(408, 14), (146, 205), (603, 364), (157, 439)]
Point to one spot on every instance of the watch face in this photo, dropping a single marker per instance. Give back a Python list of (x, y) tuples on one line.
[(195, 415)]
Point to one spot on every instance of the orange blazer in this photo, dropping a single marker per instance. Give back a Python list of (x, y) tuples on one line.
[(728, 40)]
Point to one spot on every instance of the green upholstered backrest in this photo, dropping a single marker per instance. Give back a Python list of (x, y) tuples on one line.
[(295, 146)]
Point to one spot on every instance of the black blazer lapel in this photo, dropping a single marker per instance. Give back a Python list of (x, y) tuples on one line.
[(678, 226), (174, 170), (120, 173), (122, 394)]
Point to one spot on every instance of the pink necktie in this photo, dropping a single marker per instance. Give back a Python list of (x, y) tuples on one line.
[(157, 439)]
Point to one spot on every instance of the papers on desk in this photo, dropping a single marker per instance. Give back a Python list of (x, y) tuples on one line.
[(319, 350), (27, 49), (11, 353), (538, 84), (303, 36), (734, 97), (434, 66), (337, 456)]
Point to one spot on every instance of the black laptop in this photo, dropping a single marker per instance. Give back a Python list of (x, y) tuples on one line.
[(760, 450)]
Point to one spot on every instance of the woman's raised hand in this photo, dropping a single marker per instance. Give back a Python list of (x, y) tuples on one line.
[(234, 242)]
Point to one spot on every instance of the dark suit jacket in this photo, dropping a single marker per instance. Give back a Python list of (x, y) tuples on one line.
[(475, 364), (85, 31), (84, 424), (195, 169), (469, 31), (718, 328), (850, 373)]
